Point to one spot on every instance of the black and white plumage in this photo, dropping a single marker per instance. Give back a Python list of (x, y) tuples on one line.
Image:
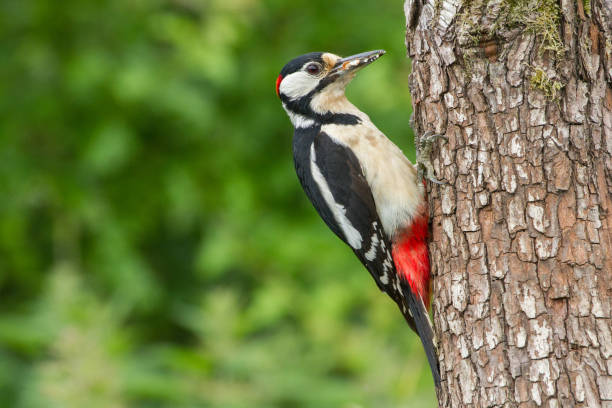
[(333, 181), (364, 188)]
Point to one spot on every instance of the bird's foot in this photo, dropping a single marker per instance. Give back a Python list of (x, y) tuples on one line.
[(424, 165)]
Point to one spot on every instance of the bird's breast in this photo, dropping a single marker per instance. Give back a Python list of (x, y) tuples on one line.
[(391, 176)]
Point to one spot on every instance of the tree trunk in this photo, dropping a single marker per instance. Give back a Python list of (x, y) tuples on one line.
[(521, 240)]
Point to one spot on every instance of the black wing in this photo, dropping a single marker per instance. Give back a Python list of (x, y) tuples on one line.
[(334, 182)]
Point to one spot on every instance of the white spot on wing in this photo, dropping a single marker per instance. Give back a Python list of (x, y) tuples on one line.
[(351, 234), (371, 254), (384, 279), (396, 284)]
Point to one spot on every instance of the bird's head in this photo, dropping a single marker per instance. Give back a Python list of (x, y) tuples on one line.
[(311, 86)]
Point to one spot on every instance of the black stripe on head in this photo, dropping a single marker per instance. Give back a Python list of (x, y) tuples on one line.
[(329, 79)]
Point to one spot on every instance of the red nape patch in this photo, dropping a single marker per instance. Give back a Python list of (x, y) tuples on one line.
[(278, 82), (412, 258)]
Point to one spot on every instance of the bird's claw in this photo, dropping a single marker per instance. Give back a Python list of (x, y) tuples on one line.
[(435, 180), (429, 137), (424, 166)]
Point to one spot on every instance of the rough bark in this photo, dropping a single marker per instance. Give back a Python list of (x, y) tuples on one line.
[(521, 240)]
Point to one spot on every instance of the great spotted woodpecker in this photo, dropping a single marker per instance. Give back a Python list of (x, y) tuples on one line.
[(367, 192)]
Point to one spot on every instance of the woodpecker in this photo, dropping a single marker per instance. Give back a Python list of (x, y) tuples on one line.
[(361, 184)]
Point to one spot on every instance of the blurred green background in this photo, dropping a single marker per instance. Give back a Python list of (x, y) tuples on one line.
[(156, 249)]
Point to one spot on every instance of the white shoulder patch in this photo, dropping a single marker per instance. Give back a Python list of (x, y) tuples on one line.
[(350, 233)]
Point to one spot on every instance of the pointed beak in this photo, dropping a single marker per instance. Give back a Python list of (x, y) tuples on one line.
[(354, 62)]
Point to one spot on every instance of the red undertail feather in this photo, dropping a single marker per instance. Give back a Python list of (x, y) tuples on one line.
[(411, 256)]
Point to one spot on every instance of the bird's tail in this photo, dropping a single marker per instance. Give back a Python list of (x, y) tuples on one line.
[(419, 321), (412, 263)]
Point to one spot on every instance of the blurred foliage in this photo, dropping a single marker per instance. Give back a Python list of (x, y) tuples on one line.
[(156, 249)]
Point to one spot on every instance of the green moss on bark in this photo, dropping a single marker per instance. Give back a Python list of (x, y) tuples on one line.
[(587, 7), (540, 18), (540, 80)]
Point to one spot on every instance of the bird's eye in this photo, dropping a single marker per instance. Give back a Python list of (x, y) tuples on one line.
[(313, 69)]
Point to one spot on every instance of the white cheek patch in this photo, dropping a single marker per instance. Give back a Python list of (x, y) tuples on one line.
[(298, 84)]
